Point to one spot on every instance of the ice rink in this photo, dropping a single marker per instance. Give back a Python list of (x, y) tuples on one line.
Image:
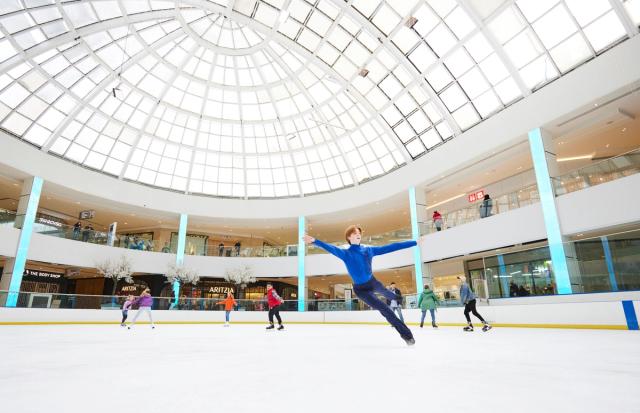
[(316, 368)]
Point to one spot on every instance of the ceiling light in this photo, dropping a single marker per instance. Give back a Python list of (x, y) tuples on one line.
[(446, 200), (363, 72), (624, 130), (576, 158)]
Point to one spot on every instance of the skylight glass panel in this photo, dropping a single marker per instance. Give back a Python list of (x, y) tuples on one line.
[(460, 23), (386, 19), (605, 31), (506, 25), (587, 11), (554, 26), (633, 8), (453, 97), (570, 53), (441, 40)]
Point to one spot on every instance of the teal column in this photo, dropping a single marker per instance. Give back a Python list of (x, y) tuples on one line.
[(302, 287), (415, 233), (547, 200), (502, 274), (182, 242), (609, 262), (27, 207)]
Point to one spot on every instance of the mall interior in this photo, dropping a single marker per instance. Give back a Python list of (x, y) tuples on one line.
[(186, 147)]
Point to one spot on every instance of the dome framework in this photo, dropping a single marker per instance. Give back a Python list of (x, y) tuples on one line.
[(279, 98)]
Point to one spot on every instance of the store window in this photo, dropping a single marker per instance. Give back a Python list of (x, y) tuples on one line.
[(195, 244)]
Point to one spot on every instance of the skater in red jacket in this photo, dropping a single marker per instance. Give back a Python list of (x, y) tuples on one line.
[(274, 301)]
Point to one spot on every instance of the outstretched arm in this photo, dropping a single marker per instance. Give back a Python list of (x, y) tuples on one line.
[(385, 249), (331, 249)]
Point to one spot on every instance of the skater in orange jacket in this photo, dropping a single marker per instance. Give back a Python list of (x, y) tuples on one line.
[(229, 303)]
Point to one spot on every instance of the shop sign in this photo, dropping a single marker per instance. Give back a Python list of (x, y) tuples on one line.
[(48, 221), (88, 214), (476, 196), (41, 274), (221, 290)]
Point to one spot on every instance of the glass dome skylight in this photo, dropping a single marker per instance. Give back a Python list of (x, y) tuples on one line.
[(278, 98)]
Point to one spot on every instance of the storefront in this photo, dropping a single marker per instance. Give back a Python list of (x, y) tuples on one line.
[(517, 274), (43, 286)]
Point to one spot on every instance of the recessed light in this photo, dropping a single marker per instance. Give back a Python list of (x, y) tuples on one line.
[(595, 104), (624, 130), (126, 223)]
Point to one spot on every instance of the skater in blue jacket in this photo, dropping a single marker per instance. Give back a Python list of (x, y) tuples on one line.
[(358, 259), (468, 298)]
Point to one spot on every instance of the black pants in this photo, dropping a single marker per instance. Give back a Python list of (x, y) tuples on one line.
[(367, 293), (124, 316), (470, 307), (275, 311)]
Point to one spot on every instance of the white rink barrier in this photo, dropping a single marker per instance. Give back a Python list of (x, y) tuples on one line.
[(594, 315)]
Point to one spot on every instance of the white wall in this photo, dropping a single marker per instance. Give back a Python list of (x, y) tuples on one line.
[(496, 133), (607, 205)]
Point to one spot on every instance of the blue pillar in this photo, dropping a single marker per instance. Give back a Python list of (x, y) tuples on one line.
[(609, 262), (551, 221), (32, 190), (302, 286), (502, 274), (415, 234), (182, 241)]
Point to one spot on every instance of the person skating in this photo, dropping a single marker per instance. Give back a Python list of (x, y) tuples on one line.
[(125, 309), (428, 301), (468, 298), (144, 302), (357, 259), (396, 304), (229, 303), (274, 301)]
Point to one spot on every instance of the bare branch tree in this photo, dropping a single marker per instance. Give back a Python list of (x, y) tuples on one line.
[(116, 270)]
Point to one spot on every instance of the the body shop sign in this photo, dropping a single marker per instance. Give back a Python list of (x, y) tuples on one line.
[(41, 274), (476, 196)]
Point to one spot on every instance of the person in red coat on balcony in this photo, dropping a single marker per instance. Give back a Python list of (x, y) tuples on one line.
[(274, 301), (229, 303), (437, 220)]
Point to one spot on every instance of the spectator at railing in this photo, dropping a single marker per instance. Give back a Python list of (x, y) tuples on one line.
[(437, 220), (166, 248), (237, 248), (221, 249), (76, 230), (486, 206), (86, 232)]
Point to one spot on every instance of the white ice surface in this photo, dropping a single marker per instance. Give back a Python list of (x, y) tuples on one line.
[(315, 368)]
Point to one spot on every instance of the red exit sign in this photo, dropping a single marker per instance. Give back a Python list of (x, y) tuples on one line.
[(476, 196)]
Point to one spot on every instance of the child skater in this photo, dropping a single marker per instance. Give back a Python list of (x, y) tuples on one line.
[(144, 302), (358, 259), (125, 309), (274, 301), (468, 298), (229, 303)]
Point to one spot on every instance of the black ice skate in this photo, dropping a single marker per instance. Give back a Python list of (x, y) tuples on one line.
[(486, 327), (468, 328), (434, 325), (410, 341), (271, 327), (280, 327)]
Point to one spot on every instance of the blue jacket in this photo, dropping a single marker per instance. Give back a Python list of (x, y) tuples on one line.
[(358, 258), (466, 294)]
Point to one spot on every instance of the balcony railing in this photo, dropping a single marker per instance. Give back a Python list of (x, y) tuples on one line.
[(598, 173)]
